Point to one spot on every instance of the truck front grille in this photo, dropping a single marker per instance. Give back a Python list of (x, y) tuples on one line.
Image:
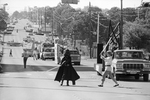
[(133, 66), (74, 57)]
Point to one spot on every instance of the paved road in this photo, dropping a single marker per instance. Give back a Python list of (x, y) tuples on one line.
[(36, 82), (41, 86), (11, 64)]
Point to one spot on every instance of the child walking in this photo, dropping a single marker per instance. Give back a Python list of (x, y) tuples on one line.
[(108, 69)]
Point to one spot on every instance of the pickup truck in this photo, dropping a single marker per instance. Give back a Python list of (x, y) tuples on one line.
[(131, 62)]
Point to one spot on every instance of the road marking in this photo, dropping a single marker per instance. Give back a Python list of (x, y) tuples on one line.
[(29, 74), (53, 68)]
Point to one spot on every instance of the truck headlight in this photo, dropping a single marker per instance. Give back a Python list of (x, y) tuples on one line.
[(147, 66), (119, 66)]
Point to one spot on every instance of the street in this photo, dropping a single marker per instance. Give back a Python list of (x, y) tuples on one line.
[(36, 82)]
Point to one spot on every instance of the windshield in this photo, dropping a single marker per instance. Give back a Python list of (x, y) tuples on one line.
[(129, 55), (74, 52), (49, 50)]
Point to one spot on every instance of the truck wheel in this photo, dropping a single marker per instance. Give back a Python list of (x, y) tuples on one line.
[(117, 77), (137, 76), (145, 77), (1, 70)]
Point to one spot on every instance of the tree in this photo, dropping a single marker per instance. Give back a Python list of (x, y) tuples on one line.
[(3, 25), (63, 18), (16, 15), (114, 14), (3, 15), (130, 14), (3, 19), (136, 36)]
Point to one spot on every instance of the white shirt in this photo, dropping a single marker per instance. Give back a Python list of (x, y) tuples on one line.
[(108, 61)]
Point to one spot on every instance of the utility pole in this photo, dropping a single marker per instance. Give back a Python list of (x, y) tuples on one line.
[(52, 23), (98, 28), (121, 28), (90, 40), (45, 19), (99, 45)]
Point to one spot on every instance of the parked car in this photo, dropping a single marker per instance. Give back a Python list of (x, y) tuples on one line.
[(30, 33), (12, 43), (48, 53), (75, 56), (28, 28), (128, 62), (9, 30), (35, 30), (27, 39)]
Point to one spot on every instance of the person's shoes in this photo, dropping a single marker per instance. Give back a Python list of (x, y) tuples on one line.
[(73, 83), (61, 84), (116, 85), (100, 85), (67, 84)]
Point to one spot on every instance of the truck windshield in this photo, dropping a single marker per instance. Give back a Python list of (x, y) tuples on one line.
[(129, 55), (74, 52), (49, 50)]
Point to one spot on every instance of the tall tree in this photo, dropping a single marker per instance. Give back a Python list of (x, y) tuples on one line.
[(136, 36), (130, 14), (3, 15), (16, 15)]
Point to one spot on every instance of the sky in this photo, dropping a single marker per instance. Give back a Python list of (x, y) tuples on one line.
[(20, 5)]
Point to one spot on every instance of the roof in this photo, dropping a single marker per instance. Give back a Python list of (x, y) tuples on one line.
[(129, 50), (73, 50)]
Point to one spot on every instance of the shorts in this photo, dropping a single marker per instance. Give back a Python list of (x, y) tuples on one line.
[(108, 68)]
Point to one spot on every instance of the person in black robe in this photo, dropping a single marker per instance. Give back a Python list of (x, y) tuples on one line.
[(66, 70)]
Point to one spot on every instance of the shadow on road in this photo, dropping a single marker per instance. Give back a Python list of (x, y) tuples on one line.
[(20, 68), (132, 79)]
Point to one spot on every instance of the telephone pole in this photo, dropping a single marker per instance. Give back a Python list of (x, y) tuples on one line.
[(90, 36), (99, 45), (45, 19), (121, 27), (52, 23)]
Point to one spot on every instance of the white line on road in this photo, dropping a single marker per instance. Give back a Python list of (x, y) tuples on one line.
[(29, 74), (53, 68)]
